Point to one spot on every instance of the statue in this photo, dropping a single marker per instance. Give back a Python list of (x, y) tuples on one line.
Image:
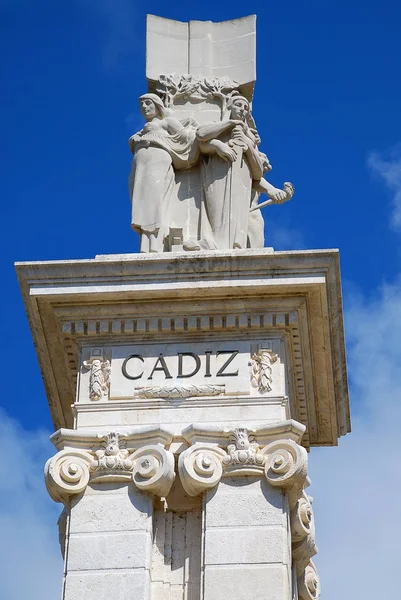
[(198, 172), (232, 168), (162, 146)]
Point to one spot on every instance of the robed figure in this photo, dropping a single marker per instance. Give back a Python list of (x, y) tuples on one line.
[(232, 171)]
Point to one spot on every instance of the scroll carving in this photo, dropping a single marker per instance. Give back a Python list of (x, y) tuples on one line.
[(286, 466), (261, 370), (302, 523), (200, 467), (67, 473), (309, 583), (153, 470), (113, 457)]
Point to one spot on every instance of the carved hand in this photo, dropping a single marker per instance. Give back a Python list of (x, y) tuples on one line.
[(235, 122), (238, 135), (225, 151), (278, 196)]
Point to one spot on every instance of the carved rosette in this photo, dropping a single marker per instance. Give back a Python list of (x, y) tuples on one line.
[(200, 467), (67, 473), (153, 470)]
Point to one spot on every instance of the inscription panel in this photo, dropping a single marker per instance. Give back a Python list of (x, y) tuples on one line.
[(135, 369), (239, 367)]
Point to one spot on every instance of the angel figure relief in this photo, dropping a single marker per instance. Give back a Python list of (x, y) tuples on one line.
[(99, 379), (261, 370)]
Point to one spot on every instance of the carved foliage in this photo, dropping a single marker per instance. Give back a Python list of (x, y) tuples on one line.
[(179, 391), (200, 467), (174, 86), (261, 370), (112, 462), (243, 451)]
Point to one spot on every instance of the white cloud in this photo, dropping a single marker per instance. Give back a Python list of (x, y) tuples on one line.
[(357, 485), (31, 565), (388, 167)]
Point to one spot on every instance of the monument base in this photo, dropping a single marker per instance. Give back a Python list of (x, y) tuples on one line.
[(186, 390)]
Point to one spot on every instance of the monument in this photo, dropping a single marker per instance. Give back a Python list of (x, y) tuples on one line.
[(188, 382)]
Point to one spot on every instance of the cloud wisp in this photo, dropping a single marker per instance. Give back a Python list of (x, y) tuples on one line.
[(29, 553), (356, 485), (388, 167)]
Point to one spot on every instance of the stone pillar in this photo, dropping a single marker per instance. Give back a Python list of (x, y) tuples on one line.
[(247, 542), (106, 529), (258, 522)]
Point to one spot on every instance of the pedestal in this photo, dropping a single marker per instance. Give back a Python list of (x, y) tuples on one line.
[(186, 390)]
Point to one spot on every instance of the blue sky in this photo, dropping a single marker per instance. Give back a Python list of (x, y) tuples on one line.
[(327, 105)]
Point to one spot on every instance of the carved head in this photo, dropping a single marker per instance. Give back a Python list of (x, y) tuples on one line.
[(239, 108), (152, 107)]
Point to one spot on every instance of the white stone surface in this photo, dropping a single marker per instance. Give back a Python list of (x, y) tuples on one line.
[(116, 550), (204, 360), (245, 502), (104, 511), (202, 48), (264, 582), (119, 584), (247, 541), (246, 545), (109, 543), (294, 297)]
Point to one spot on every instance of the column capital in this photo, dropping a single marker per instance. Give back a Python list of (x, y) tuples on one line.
[(217, 452), (116, 456)]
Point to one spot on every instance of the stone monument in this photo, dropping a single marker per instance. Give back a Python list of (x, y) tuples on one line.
[(187, 388)]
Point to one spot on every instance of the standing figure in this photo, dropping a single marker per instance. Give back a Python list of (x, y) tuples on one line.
[(232, 169), (164, 144)]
